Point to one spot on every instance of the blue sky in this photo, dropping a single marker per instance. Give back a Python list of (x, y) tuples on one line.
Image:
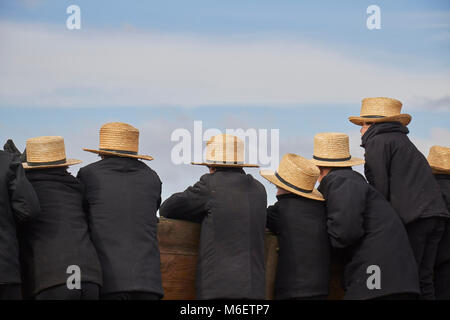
[(298, 66), (419, 26)]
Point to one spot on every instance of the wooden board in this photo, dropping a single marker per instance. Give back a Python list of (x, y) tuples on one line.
[(178, 245)]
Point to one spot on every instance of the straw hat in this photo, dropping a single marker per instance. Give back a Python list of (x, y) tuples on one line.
[(439, 159), (47, 152), (297, 175), (331, 149), (381, 110), (119, 139), (225, 150)]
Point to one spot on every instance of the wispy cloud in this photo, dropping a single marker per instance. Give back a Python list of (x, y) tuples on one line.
[(46, 65)]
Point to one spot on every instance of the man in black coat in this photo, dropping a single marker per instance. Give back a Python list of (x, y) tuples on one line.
[(402, 175), (363, 226), (231, 207), (59, 259), (18, 202), (439, 160), (298, 219), (123, 195)]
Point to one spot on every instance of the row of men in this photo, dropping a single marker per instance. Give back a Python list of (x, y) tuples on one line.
[(104, 221)]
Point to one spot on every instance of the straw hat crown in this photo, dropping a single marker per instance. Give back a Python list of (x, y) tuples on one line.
[(119, 136), (381, 109), (297, 175), (46, 152), (331, 149), (439, 159), (119, 139), (225, 150)]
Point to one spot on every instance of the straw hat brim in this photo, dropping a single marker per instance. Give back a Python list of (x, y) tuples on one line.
[(270, 176), (439, 170), (348, 163), (69, 162), (231, 165), (403, 118), (112, 153)]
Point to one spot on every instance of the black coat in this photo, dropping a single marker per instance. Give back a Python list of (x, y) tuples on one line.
[(304, 255), (401, 173), (363, 224), (123, 195), (231, 207), (18, 201), (444, 247), (59, 236)]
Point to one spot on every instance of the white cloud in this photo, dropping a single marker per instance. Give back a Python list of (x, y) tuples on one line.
[(47, 65), (437, 136)]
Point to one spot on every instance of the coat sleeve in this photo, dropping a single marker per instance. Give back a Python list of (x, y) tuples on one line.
[(24, 201), (376, 168), (345, 207), (188, 205), (85, 200), (273, 219)]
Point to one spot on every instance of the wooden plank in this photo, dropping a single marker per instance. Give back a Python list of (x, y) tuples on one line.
[(178, 245)]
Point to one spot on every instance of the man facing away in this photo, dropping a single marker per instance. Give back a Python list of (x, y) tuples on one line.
[(18, 202), (439, 160), (231, 207), (56, 244), (362, 226), (400, 172), (123, 195), (298, 219)]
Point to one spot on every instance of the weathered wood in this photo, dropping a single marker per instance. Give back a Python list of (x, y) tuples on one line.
[(178, 245)]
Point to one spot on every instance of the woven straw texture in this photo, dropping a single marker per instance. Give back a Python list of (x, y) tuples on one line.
[(47, 149), (116, 137), (333, 146), (388, 109), (296, 171), (225, 150), (380, 107), (439, 159), (119, 136)]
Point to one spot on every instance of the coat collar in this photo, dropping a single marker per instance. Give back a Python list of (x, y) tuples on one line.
[(382, 127), (230, 169), (338, 171), (288, 196)]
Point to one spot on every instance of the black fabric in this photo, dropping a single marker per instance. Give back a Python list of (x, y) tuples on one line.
[(442, 281), (59, 236), (401, 173), (304, 248), (424, 236), (18, 202), (363, 224), (442, 270), (444, 246), (10, 147), (231, 207), (131, 296), (88, 291), (123, 195), (10, 292)]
